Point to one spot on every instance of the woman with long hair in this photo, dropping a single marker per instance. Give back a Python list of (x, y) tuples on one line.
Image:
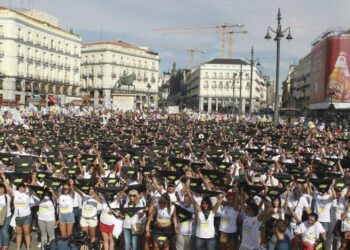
[(66, 215), (23, 217), (205, 230), (163, 218)]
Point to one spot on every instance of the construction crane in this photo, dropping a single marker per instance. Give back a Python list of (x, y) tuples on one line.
[(231, 35), (191, 51), (223, 27)]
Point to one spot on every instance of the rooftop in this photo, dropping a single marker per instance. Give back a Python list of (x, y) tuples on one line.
[(121, 44), (37, 20), (227, 61)]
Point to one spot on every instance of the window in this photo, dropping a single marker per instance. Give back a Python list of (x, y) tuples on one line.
[(213, 85), (220, 85), (19, 34), (206, 84)]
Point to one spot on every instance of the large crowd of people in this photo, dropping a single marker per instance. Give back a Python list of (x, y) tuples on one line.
[(104, 179)]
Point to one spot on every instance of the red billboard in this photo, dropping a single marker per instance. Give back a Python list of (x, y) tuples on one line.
[(330, 78)]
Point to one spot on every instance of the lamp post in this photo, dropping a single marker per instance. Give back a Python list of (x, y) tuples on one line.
[(252, 62), (240, 91), (233, 92), (304, 101), (279, 35), (148, 101)]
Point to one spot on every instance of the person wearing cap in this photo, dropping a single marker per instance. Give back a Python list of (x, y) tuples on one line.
[(162, 217), (22, 213), (205, 228), (88, 219), (310, 232), (47, 217), (228, 213), (5, 203), (133, 223)]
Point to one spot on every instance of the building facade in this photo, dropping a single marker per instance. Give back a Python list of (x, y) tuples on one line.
[(222, 82), (37, 57), (105, 63)]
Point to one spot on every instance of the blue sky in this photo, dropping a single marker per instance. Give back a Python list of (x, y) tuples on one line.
[(133, 21)]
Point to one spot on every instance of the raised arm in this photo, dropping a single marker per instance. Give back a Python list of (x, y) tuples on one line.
[(6, 183), (218, 203)]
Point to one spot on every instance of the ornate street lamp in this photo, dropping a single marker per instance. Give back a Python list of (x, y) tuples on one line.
[(279, 34)]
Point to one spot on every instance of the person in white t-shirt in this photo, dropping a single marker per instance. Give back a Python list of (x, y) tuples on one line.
[(205, 229), (323, 204), (88, 219), (46, 217), (66, 215), (5, 201), (228, 222), (184, 239), (22, 213), (345, 225), (310, 232), (251, 224), (296, 204)]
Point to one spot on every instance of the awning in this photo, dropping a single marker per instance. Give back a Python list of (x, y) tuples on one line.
[(52, 99)]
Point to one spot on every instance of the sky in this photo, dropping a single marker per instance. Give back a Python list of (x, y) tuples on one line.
[(134, 21)]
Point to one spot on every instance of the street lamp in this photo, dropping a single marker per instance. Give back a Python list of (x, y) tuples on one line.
[(279, 34), (304, 101), (252, 62), (148, 101), (331, 107), (240, 91), (233, 92)]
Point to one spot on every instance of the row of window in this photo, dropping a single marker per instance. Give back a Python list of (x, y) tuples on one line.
[(221, 75), (123, 60), (43, 41), (43, 56), (227, 85)]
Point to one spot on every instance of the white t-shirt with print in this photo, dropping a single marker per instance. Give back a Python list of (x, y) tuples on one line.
[(250, 233), (323, 204), (228, 219), (310, 233)]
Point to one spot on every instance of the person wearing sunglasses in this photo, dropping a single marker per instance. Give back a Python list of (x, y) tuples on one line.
[(66, 215), (133, 222)]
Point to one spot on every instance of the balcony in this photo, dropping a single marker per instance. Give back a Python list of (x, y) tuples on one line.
[(91, 75), (100, 74), (2, 34), (67, 67), (76, 68), (153, 80), (145, 79)]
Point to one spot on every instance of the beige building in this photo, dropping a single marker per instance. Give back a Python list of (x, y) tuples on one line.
[(220, 82), (37, 57), (105, 62)]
